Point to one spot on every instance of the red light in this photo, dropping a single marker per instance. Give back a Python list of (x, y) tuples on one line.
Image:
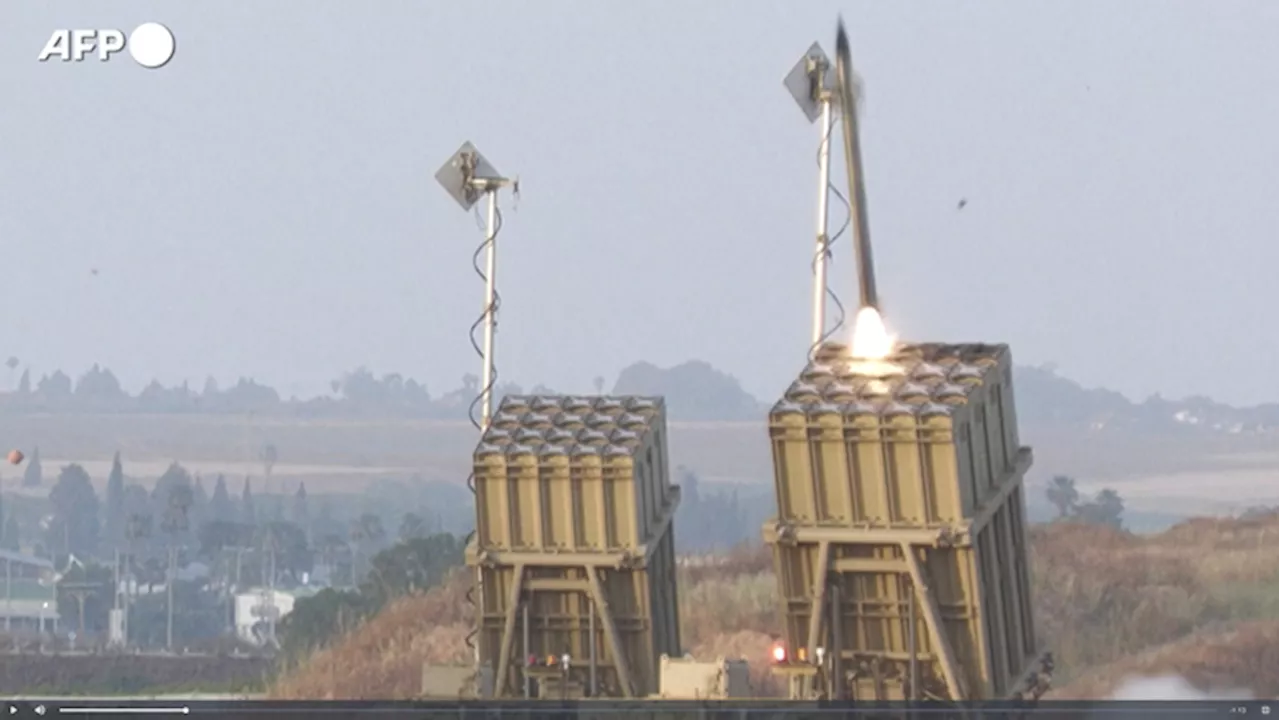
[(533, 660), (779, 653)]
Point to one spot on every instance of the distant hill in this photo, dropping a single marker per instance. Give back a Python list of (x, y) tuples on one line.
[(697, 391), (1047, 399), (694, 391)]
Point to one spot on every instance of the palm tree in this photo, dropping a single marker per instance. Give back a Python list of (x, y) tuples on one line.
[(1063, 494)]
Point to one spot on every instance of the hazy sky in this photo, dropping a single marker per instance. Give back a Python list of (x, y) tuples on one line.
[(265, 205)]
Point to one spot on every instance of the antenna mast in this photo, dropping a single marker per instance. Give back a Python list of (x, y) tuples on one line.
[(466, 177), (812, 82)]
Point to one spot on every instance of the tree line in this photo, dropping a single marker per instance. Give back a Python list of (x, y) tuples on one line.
[(179, 511), (694, 390), (1104, 508), (354, 393), (207, 541)]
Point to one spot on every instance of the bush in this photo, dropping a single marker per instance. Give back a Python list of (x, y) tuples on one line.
[(403, 569)]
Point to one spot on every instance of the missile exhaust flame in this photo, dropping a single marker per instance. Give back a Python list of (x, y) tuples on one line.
[(871, 339)]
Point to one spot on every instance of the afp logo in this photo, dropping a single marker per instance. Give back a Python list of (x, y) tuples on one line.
[(151, 45)]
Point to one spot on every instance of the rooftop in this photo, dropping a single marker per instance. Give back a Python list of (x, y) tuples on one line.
[(917, 379), (304, 591), (570, 425), (24, 559), (299, 592)]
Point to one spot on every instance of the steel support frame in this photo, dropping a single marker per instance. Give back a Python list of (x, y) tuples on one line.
[(593, 589), (910, 565), (910, 541)]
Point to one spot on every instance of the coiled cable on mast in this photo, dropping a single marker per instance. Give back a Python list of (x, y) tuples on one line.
[(487, 385), (492, 308), (825, 250)]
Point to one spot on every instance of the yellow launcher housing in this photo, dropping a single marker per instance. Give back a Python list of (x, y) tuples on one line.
[(900, 540), (575, 548)]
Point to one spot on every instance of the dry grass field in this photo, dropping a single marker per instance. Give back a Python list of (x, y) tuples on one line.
[(1199, 600), (1231, 661)]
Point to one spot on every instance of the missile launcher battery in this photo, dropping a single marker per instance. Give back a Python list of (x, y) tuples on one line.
[(574, 543), (567, 474), (920, 439), (900, 539)]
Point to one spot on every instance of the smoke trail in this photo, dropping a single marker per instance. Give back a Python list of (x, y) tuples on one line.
[(1172, 687)]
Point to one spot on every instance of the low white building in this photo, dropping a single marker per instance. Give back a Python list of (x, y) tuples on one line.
[(258, 610), (28, 593)]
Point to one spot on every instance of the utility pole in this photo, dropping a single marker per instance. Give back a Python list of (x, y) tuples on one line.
[(117, 616), (275, 609), (175, 523), (53, 598), (234, 588), (137, 527), (172, 574), (272, 543), (8, 593), (80, 592)]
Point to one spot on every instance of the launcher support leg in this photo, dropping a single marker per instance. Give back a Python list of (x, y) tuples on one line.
[(819, 607), (509, 631), (819, 596), (933, 619), (610, 633)]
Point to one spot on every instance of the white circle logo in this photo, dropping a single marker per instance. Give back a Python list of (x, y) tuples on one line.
[(151, 45)]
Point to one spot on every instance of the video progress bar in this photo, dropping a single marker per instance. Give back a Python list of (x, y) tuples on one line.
[(150, 710)]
